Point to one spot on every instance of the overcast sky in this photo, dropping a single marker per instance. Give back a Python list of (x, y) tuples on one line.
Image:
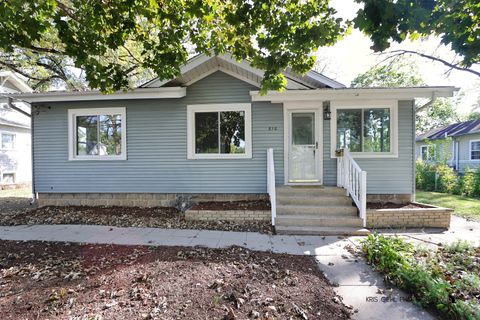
[(353, 55)]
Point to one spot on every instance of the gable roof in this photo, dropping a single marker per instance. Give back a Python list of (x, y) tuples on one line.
[(203, 65), (453, 130), (14, 80)]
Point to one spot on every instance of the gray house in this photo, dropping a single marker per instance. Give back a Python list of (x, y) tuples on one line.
[(15, 139), (458, 144), (211, 134)]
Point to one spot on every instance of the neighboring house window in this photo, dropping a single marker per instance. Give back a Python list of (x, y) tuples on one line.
[(97, 134), (475, 150), (8, 141), (428, 152), (219, 131), (367, 130), (8, 178)]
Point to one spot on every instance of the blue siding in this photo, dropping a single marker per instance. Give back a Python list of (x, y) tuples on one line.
[(157, 147)]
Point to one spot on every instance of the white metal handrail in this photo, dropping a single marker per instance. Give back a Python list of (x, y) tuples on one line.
[(354, 180), (271, 184)]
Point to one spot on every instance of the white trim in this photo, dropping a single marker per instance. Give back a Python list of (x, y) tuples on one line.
[(193, 108), (143, 93), (428, 146), (353, 94), (470, 150), (73, 113), (14, 134), (226, 71), (8, 172), (366, 104), (317, 107)]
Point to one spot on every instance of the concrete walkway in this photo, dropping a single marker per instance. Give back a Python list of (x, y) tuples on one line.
[(355, 281)]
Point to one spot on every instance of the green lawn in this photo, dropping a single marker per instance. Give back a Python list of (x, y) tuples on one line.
[(16, 193), (463, 206)]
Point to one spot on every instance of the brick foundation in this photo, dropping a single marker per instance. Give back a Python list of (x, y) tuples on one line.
[(136, 199), (231, 215), (433, 217), (394, 198)]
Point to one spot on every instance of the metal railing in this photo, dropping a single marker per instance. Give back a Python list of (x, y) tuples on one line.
[(271, 184), (354, 180)]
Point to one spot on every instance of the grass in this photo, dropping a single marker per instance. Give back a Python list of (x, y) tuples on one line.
[(16, 193), (464, 206)]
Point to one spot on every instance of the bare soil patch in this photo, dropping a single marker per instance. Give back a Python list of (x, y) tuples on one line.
[(391, 205), (159, 217), (263, 205), (58, 280)]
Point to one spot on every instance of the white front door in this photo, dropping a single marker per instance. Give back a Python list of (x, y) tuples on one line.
[(304, 147)]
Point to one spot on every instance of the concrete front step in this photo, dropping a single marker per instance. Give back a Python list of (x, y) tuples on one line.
[(316, 210), (318, 221), (322, 231), (310, 191), (314, 200)]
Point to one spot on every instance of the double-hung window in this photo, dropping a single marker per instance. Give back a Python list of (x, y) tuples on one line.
[(97, 134), (366, 129), (428, 152), (8, 141), (474, 149), (220, 131)]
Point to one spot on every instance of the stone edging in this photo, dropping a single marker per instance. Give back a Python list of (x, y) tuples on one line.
[(432, 216), (231, 215)]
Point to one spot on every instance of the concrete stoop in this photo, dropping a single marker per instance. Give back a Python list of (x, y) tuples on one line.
[(316, 211)]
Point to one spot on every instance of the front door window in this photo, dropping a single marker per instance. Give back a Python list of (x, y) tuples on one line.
[(302, 154)]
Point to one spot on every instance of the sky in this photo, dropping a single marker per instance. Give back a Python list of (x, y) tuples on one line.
[(352, 56)]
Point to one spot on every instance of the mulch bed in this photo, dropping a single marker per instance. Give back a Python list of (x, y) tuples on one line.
[(391, 205), (263, 205), (159, 217), (58, 281)]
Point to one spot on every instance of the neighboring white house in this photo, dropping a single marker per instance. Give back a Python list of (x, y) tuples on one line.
[(15, 138), (461, 145)]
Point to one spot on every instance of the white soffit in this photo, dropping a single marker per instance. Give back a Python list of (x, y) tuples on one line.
[(144, 93), (354, 94)]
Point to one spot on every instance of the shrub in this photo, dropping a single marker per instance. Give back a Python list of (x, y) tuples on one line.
[(427, 278), (446, 178)]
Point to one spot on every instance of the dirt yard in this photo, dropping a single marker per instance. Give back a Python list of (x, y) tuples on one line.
[(57, 281), (159, 217)]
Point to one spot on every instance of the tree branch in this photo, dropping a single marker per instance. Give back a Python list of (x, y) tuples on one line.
[(423, 55)]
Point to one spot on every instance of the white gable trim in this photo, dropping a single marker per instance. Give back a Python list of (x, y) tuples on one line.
[(294, 82)]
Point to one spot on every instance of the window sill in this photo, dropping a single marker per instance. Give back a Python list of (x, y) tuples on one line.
[(97, 158), (371, 156), (218, 156)]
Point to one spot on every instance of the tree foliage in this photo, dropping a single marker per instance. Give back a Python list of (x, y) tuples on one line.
[(397, 73), (113, 40), (403, 73), (456, 22)]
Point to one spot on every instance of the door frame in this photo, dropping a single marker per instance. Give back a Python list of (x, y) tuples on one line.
[(317, 107)]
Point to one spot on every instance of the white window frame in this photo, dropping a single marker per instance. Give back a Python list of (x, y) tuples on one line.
[(428, 152), (14, 140), (366, 104), (9, 172), (470, 149), (192, 109), (72, 136)]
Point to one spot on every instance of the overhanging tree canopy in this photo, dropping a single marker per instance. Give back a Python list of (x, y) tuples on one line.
[(113, 40)]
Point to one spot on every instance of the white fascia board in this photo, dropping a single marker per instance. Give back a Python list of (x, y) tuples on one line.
[(354, 94), (144, 93)]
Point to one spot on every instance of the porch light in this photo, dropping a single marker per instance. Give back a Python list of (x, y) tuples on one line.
[(326, 110)]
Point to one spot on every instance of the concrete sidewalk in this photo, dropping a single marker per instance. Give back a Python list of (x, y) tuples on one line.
[(355, 281)]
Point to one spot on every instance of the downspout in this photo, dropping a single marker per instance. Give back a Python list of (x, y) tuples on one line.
[(414, 144), (32, 146)]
